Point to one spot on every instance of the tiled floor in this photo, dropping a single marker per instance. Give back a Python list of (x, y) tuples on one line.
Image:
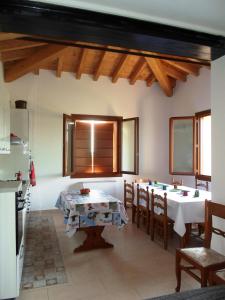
[(136, 268)]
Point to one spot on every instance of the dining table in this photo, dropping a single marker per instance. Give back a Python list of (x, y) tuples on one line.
[(91, 212), (184, 208)]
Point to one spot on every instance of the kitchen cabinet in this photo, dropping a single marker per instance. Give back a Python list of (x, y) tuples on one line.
[(4, 123), (12, 236)]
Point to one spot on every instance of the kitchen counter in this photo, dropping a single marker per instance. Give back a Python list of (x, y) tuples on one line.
[(10, 186)]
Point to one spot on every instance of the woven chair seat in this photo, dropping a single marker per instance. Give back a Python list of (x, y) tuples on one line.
[(204, 256)]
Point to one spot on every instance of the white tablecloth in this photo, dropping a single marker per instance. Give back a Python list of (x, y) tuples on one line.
[(182, 209)]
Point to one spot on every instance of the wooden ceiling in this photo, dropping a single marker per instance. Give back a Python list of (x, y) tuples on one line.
[(22, 54)]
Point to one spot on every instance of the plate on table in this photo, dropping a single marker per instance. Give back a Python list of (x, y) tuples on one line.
[(175, 190)]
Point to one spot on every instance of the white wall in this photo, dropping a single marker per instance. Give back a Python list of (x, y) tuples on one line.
[(49, 97), (191, 97), (218, 144)]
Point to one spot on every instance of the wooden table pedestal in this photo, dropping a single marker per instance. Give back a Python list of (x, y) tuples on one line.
[(94, 239)]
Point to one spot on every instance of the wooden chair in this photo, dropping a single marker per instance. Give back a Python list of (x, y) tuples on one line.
[(177, 181), (143, 207), (203, 259), (129, 198), (217, 278), (159, 216), (201, 184)]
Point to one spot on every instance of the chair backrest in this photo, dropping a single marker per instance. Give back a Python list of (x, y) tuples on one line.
[(159, 203), (143, 197), (176, 181), (217, 210), (128, 191), (201, 184)]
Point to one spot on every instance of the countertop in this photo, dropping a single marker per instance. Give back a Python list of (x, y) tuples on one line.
[(10, 186)]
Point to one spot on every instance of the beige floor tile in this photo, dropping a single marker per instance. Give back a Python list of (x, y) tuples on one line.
[(136, 268), (126, 294), (35, 294), (86, 290)]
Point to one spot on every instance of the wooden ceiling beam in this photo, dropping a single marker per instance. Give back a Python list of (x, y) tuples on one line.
[(150, 80), (185, 67), (36, 71), (137, 70), (33, 62), (12, 45), (80, 67), (17, 54), (119, 68), (174, 72), (59, 67), (156, 67), (4, 36), (98, 70), (172, 81)]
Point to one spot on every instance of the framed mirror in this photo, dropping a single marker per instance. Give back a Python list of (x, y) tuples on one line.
[(130, 146), (181, 157)]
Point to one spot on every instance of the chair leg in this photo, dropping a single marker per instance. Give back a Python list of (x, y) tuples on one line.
[(178, 271), (148, 223), (204, 277), (133, 214), (153, 229), (210, 279), (138, 217), (165, 236)]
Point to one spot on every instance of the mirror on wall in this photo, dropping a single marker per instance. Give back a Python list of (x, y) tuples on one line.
[(182, 145), (130, 146)]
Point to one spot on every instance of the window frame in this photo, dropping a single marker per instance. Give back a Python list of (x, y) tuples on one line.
[(136, 147), (198, 116), (65, 119), (196, 145)]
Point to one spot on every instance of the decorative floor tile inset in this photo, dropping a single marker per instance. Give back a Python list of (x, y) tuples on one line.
[(43, 262)]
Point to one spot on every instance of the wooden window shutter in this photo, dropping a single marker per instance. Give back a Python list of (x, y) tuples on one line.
[(82, 159), (103, 148)]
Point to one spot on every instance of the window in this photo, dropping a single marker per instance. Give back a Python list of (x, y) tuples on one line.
[(190, 145), (92, 146), (182, 145), (203, 145)]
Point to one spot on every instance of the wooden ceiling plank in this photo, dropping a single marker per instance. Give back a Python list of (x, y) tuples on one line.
[(81, 63), (174, 72), (33, 62), (12, 45), (59, 67), (185, 67), (156, 67), (4, 36), (98, 70), (137, 70), (119, 68)]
